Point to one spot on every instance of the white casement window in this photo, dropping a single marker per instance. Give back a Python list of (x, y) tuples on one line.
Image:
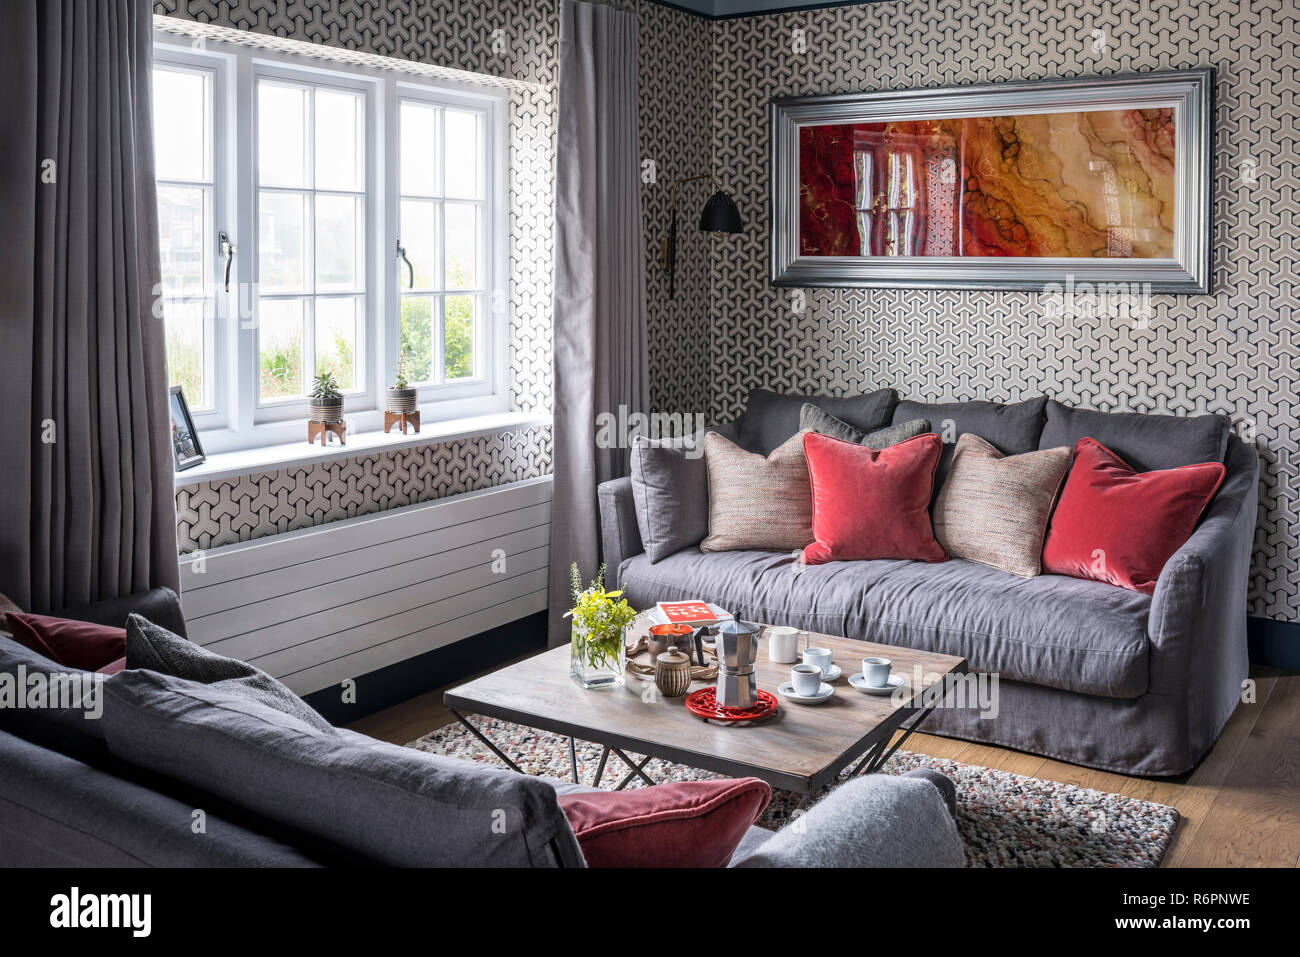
[(186, 163), (361, 217)]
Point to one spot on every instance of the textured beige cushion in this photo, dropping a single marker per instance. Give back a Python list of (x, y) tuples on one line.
[(993, 509), (757, 502)]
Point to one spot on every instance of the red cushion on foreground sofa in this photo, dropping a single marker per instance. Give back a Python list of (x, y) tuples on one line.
[(75, 644), (1117, 525), (872, 503), (685, 824)]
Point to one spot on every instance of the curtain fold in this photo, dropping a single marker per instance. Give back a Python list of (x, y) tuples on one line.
[(599, 315), (87, 509)]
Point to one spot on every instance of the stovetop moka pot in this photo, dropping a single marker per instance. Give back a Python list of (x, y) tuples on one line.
[(737, 650)]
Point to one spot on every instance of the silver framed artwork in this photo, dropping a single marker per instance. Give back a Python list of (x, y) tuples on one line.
[(1021, 185)]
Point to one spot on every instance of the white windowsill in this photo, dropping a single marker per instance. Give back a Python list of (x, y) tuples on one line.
[(272, 457)]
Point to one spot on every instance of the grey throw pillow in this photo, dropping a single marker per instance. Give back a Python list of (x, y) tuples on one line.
[(771, 418), (154, 648), (813, 419), (670, 489)]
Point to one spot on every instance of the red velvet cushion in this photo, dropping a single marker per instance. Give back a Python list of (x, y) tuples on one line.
[(687, 824), (872, 503), (74, 644), (1117, 525)]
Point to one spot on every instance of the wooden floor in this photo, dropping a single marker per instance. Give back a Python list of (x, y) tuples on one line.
[(1239, 808)]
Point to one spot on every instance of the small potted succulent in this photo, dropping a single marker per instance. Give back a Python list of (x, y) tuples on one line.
[(598, 650), (400, 398), (326, 398)]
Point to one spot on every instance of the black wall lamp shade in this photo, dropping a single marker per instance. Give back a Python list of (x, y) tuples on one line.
[(720, 215)]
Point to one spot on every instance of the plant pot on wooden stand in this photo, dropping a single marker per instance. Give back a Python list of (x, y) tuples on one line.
[(326, 416), (400, 405)]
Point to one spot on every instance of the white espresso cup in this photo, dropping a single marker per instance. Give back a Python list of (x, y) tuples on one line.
[(820, 657), (807, 679), (875, 671), (782, 644)]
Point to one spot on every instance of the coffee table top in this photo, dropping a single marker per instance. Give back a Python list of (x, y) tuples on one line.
[(800, 748)]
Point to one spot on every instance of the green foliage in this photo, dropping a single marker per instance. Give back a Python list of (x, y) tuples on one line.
[(599, 618), (324, 386), (281, 368)]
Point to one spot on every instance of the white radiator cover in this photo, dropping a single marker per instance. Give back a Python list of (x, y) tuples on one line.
[(320, 605)]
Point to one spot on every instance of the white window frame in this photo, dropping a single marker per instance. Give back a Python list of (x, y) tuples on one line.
[(240, 420)]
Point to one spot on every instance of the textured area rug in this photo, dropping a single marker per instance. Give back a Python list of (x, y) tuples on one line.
[(1006, 820)]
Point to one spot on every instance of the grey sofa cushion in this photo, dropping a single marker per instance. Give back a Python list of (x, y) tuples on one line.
[(1050, 630), (157, 649), (1146, 442), (822, 422), (392, 805), (1012, 428), (56, 811), (770, 418), (670, 485), (74, 730), (879, 820)]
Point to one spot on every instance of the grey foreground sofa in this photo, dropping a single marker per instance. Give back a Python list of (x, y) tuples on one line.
[(1088, 673), (174, 773)]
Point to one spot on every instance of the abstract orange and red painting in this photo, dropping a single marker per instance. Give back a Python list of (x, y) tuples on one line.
[(1094, 184)]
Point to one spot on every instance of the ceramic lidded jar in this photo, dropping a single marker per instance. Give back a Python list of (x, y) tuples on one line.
[(672, 673)]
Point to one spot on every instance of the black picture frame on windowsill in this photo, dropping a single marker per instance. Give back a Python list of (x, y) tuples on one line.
[(187, 450)]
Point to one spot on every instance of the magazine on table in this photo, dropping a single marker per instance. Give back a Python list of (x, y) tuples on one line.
[(697, 614)]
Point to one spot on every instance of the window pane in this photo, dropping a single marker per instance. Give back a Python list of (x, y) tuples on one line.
[(336, 340), (417, 337), (183, 237), (459, 337), (180, 125), (282, 241), (338, 140), (420, 238), (419, 149), (464, 153), (337, 243), (462, 245), (186, 351), (282, 134), (280, 328)]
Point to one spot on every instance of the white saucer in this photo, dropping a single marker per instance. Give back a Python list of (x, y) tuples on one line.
[(832, 673), (787, 691), (859, 681)]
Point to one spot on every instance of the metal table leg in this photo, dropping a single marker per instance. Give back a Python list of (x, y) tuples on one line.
[(877, 756), (600, 768), (491, 747), (573, 760), (637, 770)]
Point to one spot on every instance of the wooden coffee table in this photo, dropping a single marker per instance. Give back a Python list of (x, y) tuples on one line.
[(801, 748)]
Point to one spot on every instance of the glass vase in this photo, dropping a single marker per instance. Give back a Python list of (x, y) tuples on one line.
[(597, 661)]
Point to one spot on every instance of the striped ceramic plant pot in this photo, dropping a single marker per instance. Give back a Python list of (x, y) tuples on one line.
[(399, 400), (328, 411)]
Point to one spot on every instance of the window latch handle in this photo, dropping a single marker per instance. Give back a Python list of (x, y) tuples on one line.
[(228, 250), (410, 270)]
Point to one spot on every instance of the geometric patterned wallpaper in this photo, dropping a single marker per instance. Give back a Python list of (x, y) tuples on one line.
[(1235, 351)]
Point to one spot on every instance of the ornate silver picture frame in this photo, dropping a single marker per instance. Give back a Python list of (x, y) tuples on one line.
[(1017, 185)]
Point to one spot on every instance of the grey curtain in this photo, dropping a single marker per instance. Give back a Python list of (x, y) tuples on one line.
[(87, 509), (600, 325)]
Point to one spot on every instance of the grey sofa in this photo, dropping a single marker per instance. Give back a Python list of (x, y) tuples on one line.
[(1088, 673), (177, 773)]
